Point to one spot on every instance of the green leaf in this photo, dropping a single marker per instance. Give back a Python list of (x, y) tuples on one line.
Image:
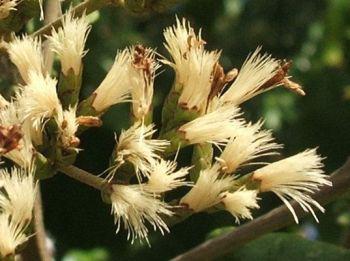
[(97, 254), (285, 246)]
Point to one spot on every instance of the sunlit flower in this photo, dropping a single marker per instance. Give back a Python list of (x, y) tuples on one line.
[(136, 146), (68, 126), (208, 189), (215, 127), (115, 88), (69, 41), (246, 144), (132, 206), (240, 203), (179, 40), (23, 153), (38, 100), (163, 177), (295, 178), (26, 54), (17, 193), (255, 72), (142, 72), (12, 235)]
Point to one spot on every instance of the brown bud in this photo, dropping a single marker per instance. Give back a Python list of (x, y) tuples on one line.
[(89, 121), (9, 138), (293, 86), (220, 79)]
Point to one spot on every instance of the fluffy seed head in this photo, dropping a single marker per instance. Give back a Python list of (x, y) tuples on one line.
[(208, 189), (132, 207), (69, 41), (295, 177), (240, 203)]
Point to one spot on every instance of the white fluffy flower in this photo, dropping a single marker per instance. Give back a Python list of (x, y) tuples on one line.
[(69, 41), (142, 72), (246, 144), (197, 83), (240, 203), (132, 206), (23, 154), (215, 127), (193, 65), (26, 54), (18, 192), (208, 189), (163, 177), (38, 100), (115, 88), (179, 40), (6, 6), (68, 126), (12, 235), (255, 71), (136, 146), (295, 177)]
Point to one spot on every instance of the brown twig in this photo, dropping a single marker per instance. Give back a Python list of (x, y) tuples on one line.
[(83, 176), (273, 220)]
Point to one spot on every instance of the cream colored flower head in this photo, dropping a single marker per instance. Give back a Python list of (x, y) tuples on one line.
[(23, 154), (142, 72), (6, 6), (136, 146), (115, 88), (197, 83), (69, 42), (240, 203), (295, 178), (38, 100), (18, 193), (25, 52), (68, 126), (12, 235), (163, 176), (132, 207), (247, 143), (179, 40), (208, 190), (256, 71), (215, 127)]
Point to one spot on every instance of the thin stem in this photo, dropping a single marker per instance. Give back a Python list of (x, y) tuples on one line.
[(276, 219), (36, 246), (87, 6), (83, 176), (39, 227)]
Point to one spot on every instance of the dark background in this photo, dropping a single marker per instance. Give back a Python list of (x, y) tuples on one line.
[(314, 34)]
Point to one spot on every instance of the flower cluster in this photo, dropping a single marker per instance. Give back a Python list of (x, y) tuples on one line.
[(41, 123)]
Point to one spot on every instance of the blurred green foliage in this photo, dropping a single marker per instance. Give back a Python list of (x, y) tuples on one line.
[(314, 34)]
